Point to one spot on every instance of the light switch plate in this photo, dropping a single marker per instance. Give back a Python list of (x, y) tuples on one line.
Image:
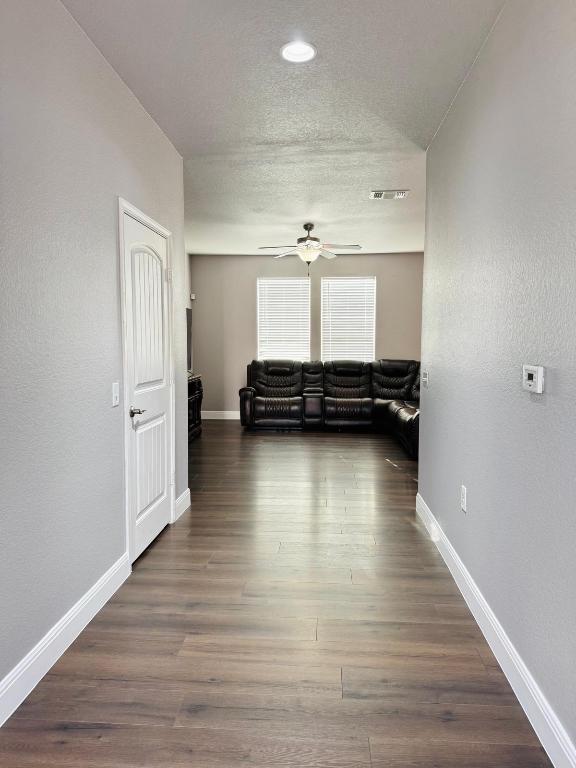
[(115, 394), (425, 376)]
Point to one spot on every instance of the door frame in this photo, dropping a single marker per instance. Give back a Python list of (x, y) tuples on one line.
[(124, 207)]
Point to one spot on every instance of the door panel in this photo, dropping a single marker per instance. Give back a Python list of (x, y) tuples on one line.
[(147, 339), (147, 296), (151, 464)]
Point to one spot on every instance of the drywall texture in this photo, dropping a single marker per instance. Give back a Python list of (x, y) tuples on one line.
[(500, 291), (72, 138), (224, 330)]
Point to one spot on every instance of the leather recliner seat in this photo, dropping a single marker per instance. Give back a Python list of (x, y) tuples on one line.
[(273, 397), (347, 400)]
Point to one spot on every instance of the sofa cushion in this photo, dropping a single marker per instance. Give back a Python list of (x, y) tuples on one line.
[(393, 379), (276, 378), (273, 410), (347, 379), (313, 375), (345, 410)]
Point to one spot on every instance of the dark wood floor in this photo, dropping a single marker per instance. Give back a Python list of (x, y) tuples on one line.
[(298, 617)]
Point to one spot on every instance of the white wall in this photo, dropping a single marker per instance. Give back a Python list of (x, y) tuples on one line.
[(499, 291), (224, 317), (72, 139)]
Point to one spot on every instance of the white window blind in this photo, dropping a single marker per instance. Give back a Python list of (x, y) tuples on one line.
[(348, 318), (283, 318)]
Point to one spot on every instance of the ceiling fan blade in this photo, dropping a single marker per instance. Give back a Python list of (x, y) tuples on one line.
[(286, 253), (328, 254), (342, 247), (273, 247)]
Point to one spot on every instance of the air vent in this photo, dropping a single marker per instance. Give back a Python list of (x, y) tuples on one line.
[(389, 194)]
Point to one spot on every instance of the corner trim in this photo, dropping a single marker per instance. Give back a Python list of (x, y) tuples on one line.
[(182, 504), (555, 740), (222, 415), (21, 680)]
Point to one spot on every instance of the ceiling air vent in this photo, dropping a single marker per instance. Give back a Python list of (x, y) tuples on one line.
[(389, 194)]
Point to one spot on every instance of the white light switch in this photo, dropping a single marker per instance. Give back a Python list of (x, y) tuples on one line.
[(463, 498), (425, 376), (533, 378), (115, 394)]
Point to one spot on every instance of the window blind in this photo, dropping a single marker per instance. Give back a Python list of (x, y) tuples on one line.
[(348, 318), (283, 318)]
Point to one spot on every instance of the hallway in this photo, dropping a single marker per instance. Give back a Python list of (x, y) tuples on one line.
[(298, 616)]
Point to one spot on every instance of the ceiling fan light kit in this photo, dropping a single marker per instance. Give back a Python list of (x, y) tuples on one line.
[(308, 255), (309, 248)]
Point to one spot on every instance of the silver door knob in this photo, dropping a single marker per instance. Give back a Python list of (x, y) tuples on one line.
[(136, 411)]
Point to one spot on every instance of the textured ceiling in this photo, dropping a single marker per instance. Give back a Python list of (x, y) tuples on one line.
[(268, 145)]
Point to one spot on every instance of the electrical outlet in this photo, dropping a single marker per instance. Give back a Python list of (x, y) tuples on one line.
[(463, 498)]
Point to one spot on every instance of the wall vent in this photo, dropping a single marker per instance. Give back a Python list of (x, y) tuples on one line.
[(389, 194)]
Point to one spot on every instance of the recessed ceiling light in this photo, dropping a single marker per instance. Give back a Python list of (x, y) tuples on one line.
[(298, 52)]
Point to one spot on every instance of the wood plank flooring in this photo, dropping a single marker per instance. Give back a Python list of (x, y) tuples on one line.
[(298, 617)]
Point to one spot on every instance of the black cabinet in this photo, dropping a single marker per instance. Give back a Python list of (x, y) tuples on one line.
[(194, 406)]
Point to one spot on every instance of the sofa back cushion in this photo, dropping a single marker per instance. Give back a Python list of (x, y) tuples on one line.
[(276, 378), (346, 378), (313, 375), (393, 379)]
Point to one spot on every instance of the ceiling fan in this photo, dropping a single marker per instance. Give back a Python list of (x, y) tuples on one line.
[(308, 248)]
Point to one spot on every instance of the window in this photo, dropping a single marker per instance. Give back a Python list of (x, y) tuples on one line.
[(348, 318), (283, 318)]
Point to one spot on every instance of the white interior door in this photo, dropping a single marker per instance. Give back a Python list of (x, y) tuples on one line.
[(148, 397)]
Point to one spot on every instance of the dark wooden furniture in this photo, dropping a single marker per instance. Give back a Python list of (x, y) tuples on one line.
[(194, 406)]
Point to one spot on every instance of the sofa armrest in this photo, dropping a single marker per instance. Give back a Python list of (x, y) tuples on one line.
[(406, 429), (414, 435), (247, 406), (313, 407)]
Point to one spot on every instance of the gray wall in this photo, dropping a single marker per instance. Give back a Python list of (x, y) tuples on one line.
[(499, 291), (72, 138), (224, 312)]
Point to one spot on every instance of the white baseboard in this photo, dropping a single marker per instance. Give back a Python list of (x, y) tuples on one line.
[(555, 740), (31, 669), (182, 504), (232, 415)]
